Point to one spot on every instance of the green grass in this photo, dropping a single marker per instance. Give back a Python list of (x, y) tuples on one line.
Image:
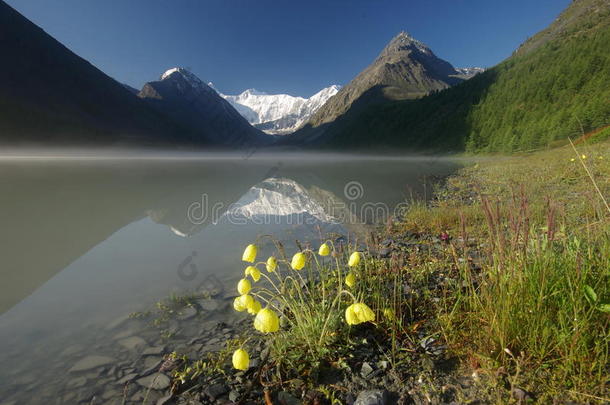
[(543, 231)]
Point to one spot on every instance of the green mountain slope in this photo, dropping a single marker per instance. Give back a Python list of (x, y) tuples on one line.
[(556, 83)]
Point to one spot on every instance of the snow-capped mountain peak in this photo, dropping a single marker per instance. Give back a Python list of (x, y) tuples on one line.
[(189, 77), (278, 113)]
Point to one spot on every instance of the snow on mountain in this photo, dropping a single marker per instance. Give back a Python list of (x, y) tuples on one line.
[(469, 72), (277, 113), (189, 77)]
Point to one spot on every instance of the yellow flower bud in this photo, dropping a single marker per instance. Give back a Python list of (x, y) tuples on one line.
[(238, 305), (365, 314), (249, 254), (254, 307), (246, 300), (252, 272), (350, 279), (298, 261), (271, 264), (350, 316), (324, 250), (266, 321), (354, 259), (358, 313), (241, 360), (389, 314), (244, 286)]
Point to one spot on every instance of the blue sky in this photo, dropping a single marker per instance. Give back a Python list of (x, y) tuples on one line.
[(288, 46)]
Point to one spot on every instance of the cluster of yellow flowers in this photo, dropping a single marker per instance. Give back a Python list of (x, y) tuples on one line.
[(266, 320)]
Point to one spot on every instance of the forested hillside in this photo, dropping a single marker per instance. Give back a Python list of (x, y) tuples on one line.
[(555, 85)]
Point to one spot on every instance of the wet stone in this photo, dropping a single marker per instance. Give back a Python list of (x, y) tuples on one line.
[(156, 381), (128, 378), (132, 342), (154, 351), (187, 313), (91, 362)]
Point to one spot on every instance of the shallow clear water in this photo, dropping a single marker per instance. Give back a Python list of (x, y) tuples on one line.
[(84, 242)]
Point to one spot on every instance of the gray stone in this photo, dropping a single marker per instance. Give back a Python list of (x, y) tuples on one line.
[(91, 362), (366, 370), (154, 351), (165, 400), (216, 390), (156, 381), (372, 397), (187, 313), (76, 382), (285, 398), (127, 379), (209, 305), (133, 342), (118, 322), (233, 396), (151, 361)]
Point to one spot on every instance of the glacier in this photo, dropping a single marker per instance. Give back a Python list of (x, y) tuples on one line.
[(277, 114)]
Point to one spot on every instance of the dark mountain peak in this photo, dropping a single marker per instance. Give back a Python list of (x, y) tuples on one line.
[(184, 80), (186, 98)]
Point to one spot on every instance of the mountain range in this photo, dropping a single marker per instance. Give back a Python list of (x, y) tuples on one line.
[(186, 99), (553, 86), (278, 114)]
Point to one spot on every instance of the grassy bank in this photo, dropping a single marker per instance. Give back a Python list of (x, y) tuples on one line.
[(530, 241)]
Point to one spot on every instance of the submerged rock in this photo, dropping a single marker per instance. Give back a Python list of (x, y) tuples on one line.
[(91, 362), (133, 342), (156, 381)]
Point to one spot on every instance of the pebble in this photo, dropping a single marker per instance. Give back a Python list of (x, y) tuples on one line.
[(372, 397), (216, 390), (156, 381)]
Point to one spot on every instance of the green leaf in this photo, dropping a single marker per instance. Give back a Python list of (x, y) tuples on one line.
[(590, 294), (604, 307)]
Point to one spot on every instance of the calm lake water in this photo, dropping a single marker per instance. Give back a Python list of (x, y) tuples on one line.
[(84, 242)]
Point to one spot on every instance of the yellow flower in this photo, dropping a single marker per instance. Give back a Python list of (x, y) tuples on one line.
[(242, 302), (583, 156), (324, 250), (389, 313), (241, 360), (244, 286), (254, 307), (358, 313), (271, 264), (238, 304), (249, 254), (298, 261), (572, 160), (252, 272), (266, 321), (350, 280), (354, 259)]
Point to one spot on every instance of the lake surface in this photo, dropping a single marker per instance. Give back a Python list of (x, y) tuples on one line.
[(84, 241)]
